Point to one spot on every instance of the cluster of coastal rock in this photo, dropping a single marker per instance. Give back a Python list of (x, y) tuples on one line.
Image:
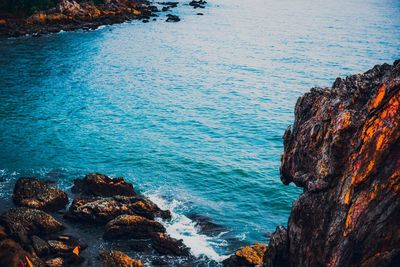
[(31, 236), (70, 15)]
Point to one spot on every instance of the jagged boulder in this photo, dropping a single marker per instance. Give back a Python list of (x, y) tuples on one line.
[(21, 223), (105, 209), (37, 194), (248, 256), (115, 258), (344, 150), (166, 245), (95, 184)]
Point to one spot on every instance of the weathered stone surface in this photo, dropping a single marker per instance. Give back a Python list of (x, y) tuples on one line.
[(247, 256), (131, 227), (65, 244), (21, 223), (105, 209), (13, 255), (95, 184), (36, 194), (276, 254), (116, 258), (344, 150)]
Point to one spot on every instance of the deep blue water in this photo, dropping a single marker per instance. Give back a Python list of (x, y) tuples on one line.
[(192, 113)]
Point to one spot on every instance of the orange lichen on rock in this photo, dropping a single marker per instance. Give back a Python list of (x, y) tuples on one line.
[(118, 258), (253, 254), (378, 133), (379, 97)]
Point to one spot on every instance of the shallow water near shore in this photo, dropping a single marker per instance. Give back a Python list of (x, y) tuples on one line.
[(192, 113)]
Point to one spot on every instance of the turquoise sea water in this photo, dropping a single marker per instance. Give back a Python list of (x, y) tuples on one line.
[(192, 113)]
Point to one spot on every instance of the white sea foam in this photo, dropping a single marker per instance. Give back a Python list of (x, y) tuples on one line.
[(181, 227)]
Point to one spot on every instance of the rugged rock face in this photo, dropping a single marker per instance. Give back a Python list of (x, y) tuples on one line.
[(344, 150), (101, 185), (36, 194), (105, 209)]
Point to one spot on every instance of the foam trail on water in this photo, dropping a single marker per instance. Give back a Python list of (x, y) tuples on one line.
[(181, 227)]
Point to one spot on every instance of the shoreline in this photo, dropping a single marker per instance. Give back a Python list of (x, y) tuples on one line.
[(69, 15)]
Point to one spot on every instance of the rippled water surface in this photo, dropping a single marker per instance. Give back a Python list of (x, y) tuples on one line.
[(192, 112)]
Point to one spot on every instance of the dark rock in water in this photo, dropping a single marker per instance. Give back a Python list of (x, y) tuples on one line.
[(116, 258), (40, 246), (132, 227), (166, 245), (200, 14), (65, 244), (172, 18), (21, 223), (36, 194), (95, 184), (145, 21), (197, 4), (105, 209), (164, 9), (248, 256), (171, 4), (13, 255), (344, 150), (206, 225)]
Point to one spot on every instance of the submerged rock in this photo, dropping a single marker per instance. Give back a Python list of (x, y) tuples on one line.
[(21, 223), (116, 258), (95, 184), (247, 256), (132, 227), (197, 4), (105, 209), (172, 18), (344, 150), (36, 194)]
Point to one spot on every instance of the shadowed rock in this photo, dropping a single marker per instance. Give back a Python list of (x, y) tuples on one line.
[(247, 256), (105, 209), (95, 184), (36, 194), (116, 258), (13, 255), (21, 223), (166, 245), (344, 150)]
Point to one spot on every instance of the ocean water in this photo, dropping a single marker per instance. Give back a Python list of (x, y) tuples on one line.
[(192, 113)]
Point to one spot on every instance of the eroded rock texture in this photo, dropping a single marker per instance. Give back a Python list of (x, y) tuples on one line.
[(344, 150)]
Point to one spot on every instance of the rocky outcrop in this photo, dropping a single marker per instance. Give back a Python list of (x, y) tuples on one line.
[(70, 15), (103, 210), (95, 184), (36, 194), (247, 256), (115, 258), (344, 150)]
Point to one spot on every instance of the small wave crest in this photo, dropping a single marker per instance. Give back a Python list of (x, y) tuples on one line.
[(181, 227)]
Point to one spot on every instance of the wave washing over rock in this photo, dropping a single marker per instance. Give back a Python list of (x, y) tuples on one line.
[(344, 150)]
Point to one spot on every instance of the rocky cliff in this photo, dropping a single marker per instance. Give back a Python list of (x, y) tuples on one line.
[(344, 150)]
